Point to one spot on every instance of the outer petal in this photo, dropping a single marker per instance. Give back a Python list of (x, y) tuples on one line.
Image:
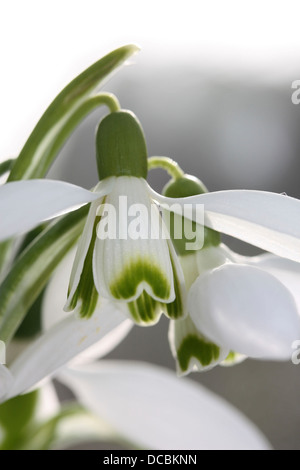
[(24, 204), (52, 313), (60, 344), (155, 410), (246, 310), (130, 260), (85, 240), (48, 402), (288, 272), (82, 249), (268, 220), (5, 380)]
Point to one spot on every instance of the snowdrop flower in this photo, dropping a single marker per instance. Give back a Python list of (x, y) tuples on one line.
[(109, 277), (237, 306), (136, 401), (144, 273), (117, 259)]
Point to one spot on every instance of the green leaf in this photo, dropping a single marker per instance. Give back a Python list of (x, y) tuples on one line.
[(64, 113), (33, 268), (72, 425), (16, 413), (16, 416), (6, 166), (22, 428), (31, 325)]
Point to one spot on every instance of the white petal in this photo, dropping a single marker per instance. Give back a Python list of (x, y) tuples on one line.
[(288, 272), (213, 257), (102, 188), (233, 359), (56, 293), (190, 268), (52, 313), (268, 220), (152, 408), (124, 266), (24, 204), (246, 310), (5, 381), (60, 344), (81, 252), (48, 403)]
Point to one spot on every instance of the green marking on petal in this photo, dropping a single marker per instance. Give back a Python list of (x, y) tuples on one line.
[(231, 356), (193, 346), (145, 310), (86, 295), (233, 359), (175, 309), (137, 272)]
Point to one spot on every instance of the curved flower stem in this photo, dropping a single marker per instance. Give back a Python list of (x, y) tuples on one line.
[(167, 164), (66, 111), (107, 99), (66, 125)]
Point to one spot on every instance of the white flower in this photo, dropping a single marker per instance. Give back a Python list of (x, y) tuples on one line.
[(137, 270), (144, 404), (237, 306), (249, 305), (262, 314)]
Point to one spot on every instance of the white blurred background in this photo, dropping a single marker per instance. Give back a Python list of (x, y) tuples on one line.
[(212, 88)]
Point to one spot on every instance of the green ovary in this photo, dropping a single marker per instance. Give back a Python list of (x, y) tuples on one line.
[(136, 272), (193, 346)]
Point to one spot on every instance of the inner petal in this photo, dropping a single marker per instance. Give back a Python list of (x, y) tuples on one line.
[(132, 256)]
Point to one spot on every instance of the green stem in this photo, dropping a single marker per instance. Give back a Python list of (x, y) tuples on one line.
[(108, 99), (167, 164), (54, 127), (39, 168)]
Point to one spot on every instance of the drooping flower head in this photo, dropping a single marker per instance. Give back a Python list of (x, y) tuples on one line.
[(124, 253), (237, 306)]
